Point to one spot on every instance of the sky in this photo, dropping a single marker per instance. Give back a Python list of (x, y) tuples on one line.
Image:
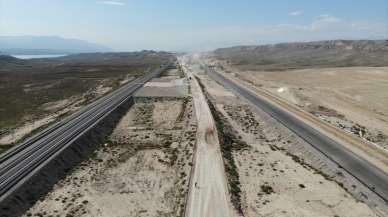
[(195, 25)]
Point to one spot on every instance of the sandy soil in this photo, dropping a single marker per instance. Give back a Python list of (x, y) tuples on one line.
[(275, 185), (351, 98), (60, 104), (57, 109), (54, 110), (101, 90), (24, 130), (275, 181), (208, 194), (170, 84), (142, 171), (127, 79)]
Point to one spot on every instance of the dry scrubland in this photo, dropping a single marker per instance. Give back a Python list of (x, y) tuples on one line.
[(337, 81), (272, 172), (353, 99), (320, 54), (34, 93), (144, 168), (343, 83), (142, 171)]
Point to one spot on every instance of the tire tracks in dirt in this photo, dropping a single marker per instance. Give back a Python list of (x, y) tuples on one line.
[(208, 192)]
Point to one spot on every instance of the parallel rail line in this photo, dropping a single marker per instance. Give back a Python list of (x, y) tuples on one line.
[(24, 160)]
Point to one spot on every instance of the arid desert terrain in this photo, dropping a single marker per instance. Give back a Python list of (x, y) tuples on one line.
[(187, 143)]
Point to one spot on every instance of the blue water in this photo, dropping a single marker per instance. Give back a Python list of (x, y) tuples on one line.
[(38, 56)]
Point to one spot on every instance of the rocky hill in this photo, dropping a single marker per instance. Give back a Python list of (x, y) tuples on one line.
[(336, 53), (74, 62), (7, 61)]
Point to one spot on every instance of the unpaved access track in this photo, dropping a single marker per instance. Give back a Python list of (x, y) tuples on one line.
[(208, 192), (278, 172)]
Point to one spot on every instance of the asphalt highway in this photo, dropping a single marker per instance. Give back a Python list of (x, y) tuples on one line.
[(368, 174)]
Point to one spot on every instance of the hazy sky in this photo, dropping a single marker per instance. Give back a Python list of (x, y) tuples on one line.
[(195, 24)]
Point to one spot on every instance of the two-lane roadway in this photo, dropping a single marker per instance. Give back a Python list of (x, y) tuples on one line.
[(368, 174)]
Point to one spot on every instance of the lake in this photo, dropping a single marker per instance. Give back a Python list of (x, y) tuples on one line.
[(38, 56)]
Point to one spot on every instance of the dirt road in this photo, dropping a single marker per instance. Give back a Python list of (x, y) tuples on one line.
[(208, 192)]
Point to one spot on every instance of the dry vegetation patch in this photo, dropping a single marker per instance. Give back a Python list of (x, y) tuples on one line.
[(276, 182), (277, 174), (40, 89), (230, 144), (142, 171)]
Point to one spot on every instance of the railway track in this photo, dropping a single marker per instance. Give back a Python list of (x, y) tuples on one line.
[(23, 161)]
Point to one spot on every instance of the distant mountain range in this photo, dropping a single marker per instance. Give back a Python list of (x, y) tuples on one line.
[(31, 45)]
